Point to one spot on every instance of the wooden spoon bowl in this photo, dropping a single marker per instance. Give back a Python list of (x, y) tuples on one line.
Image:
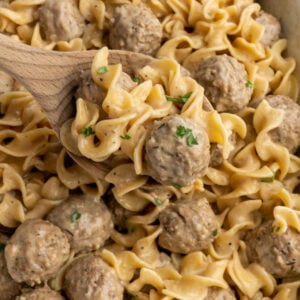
[(52, 77)]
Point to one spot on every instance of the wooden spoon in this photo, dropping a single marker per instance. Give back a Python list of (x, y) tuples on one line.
[(52, 76)]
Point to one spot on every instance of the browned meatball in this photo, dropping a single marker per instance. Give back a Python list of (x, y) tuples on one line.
[(9, 289), (86, 220), (89, 278), (224, 81), (36, 251), (278, 253), (177, 151), (135, 28), (272, 28), (215, 293), (188, 225), (89, 90), (216, 151), (61, 20), (42, 293), (119, 213), (288, 132)]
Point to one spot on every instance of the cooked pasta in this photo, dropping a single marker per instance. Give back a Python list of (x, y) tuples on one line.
[(184, 228)]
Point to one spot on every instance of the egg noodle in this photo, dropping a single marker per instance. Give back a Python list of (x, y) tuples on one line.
[(37, 173)]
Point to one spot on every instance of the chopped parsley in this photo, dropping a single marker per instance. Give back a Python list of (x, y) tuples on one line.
[(177, 185), (102, 70), (2, 246), (136, 79), (249, 84), (130, 228), (134, 295), (158, 201), (87, 131), (182, 131), (269, 179), (125, 137), (215, 232), (75, 216), (181, 99), (277, 228), (191, 140)]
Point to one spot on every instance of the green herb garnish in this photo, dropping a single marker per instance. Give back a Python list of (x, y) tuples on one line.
[(136, 79), (130, 228), (181, 99), (2, 246), (249, 84), (191, 140), (182, 131), (134, 295), (268, 179), (102, 70), (158, 201), (215, 232), (87, 131), (277, 228), (185, 97), (125, 137), (75, 216), (177, 185)]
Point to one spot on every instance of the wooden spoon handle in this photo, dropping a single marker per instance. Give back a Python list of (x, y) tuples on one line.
[(51, 76), (33, 66)]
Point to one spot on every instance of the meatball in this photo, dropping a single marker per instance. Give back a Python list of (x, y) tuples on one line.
[(119, 213), (40, 294), (177, 151), (224, 81), (278, 253), (9, 289), (188, 225), (61, 20), (288, 133), (135, 28), (36, 251), (86, 220), (216, 151), (217, 293), (6, 83), (272, 28), (89, 90), (89, 278)]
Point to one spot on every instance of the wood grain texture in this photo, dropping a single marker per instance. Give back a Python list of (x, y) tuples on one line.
[(52, 76)]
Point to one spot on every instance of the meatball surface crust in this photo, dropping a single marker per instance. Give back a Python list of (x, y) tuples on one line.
[(89, 278), (288, 132), (170, 158), (187, 226), (278, 253), (86, 220), (9, 289), (42, 293), (61, 20), (272, 28), (135, 28), (36, 251), (224, 81)]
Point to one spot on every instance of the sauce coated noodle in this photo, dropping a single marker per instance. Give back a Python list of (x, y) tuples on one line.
[(254, 180)]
